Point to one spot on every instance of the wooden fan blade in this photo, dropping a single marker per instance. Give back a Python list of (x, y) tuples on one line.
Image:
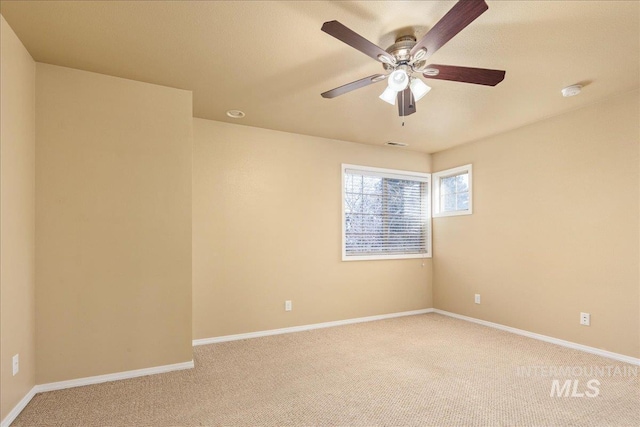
[(462, 14), (478, 76), (406, 103), (356, 41), (353, 86)]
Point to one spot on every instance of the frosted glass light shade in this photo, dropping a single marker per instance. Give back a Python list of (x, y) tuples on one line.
[(419, 89), (398, 80), (389, 95)]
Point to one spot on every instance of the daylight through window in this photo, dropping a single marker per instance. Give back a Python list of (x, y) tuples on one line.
[(452, 192), (386, 214)]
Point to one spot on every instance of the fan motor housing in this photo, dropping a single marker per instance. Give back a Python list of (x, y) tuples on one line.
[(401, 51)]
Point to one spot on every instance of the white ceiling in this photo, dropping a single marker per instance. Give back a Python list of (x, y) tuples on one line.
[(271, 60)]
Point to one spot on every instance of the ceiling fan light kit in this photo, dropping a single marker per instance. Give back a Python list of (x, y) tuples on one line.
[(398, 80), (408, 56), (419, 89), (389, 95)]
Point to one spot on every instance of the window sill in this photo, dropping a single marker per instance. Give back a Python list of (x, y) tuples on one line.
[(452, 213), (383, 257)]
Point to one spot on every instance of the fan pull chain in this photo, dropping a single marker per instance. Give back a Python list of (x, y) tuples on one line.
[(403, 108)]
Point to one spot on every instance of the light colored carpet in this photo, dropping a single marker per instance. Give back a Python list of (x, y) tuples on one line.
[(415, 371)]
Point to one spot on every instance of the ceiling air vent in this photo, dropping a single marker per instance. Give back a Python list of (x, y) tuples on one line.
[(395, 144)]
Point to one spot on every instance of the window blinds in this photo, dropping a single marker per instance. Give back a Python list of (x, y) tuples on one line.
[(385, 213)]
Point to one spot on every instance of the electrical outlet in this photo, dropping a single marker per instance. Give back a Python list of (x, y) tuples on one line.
[(287, 306), (585, 319), (16, 364), (477, 299)]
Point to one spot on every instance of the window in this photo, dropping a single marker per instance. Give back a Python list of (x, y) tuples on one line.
[(385, 214), (452, 192)]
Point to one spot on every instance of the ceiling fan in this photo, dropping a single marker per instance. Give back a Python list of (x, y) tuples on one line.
[(408, 56)]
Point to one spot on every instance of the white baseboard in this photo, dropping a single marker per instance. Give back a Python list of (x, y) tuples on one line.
[(593, 350), (225, 338), (188, 365), (113, 377), (90, 380), (18, 408)]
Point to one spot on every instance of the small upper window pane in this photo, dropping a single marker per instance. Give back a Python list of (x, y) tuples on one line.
[(462, 182), (452, 192), (462, 201), (449, 202), (448, 185)]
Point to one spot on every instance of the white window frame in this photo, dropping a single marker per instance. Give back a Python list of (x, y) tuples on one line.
[(438, 176), (390, 173)]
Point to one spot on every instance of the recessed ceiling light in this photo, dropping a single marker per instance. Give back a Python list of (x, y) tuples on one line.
[(396, 144), (572, 90), (235, 114)]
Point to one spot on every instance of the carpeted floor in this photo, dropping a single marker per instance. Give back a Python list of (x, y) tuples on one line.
[(415, 371)]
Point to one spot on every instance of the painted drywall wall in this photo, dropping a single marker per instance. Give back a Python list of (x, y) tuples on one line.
[(17, 218), (267, 228), (554, 230), (113, 224)]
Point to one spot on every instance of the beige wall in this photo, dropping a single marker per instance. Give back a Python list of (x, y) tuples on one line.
[(267, 228), (17, 216), (554, 230), (113, 224)]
